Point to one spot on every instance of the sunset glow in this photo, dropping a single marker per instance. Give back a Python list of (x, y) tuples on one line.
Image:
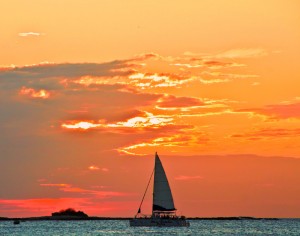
[(80, 125), (34, 93), (90, 91)]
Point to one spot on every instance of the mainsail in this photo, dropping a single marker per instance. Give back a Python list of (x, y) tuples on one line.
[(162, 195)]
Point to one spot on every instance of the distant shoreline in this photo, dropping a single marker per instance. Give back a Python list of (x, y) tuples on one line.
[(68, 218)]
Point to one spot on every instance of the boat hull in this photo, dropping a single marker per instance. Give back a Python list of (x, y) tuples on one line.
[(159, 222)]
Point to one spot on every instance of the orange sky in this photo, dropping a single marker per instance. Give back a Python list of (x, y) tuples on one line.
[(89, 90)]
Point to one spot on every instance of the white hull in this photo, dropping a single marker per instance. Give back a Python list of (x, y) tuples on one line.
[(159, 222)]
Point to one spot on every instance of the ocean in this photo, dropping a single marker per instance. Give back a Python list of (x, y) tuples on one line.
[(121, 227)]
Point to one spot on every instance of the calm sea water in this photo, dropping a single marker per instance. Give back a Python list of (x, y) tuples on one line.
[(121, 227)]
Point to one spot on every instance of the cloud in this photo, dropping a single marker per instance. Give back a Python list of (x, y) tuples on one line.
[(255, 83), (93, 168), (268, 133), (217, 74), (96, 168), (66, 70), (214, 77), (185, 137), (188, 65), (242, 53), (278, 111), (74, 103), (80, 125), (235, 53), (125, 72), (172, 102), (155, 80), (204, 107), (214, 81), (30, 34), (219, 64), (32, 93), (204, 63), (148, 120), (146, 56), (54, 185)]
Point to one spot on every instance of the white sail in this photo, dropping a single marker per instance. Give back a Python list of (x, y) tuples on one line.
[(162, 195)]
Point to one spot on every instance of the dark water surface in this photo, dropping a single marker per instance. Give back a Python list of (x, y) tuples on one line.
[(121, 227)]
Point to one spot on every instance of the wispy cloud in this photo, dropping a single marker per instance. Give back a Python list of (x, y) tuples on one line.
[(32, 93), (231, 53), (155, 80), (31, 34), (173, 102), (67, 70), (242, 53), (148, 120), (214, 81), (184, 138), (97, 168), (268, 133), (85, 125), (284, 110), (200, 63)]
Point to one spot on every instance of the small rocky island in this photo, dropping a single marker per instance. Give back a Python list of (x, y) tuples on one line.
[(69, 213)]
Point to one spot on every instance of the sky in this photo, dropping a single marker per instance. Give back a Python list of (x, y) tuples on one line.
[(91, 89)]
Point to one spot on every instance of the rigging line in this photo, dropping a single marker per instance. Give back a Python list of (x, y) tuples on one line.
[(139, 211)]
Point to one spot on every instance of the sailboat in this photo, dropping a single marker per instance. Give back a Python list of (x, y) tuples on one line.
[(163, 209)]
